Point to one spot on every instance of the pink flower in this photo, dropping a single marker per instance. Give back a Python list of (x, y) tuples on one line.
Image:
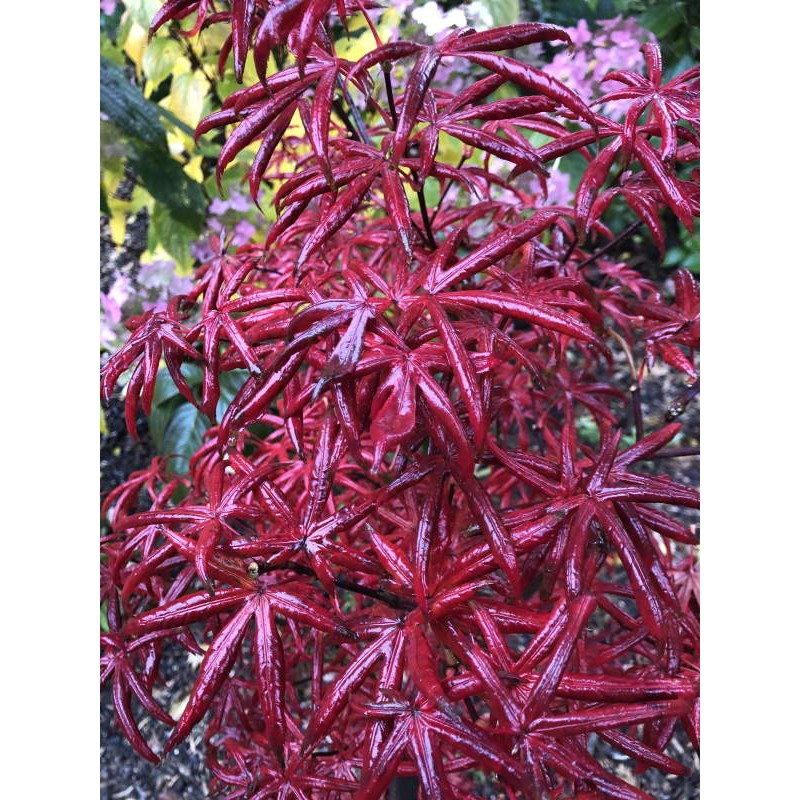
[(240, 202), (580, 34), (613, 46), (218, 206), (558, 191), (243, 232), (113, 301)]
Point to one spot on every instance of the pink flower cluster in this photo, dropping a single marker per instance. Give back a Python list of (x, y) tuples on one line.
[(227, 222), (615, 45), (156, 282)]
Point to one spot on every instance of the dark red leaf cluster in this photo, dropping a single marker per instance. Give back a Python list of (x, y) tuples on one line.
[(395, 550)]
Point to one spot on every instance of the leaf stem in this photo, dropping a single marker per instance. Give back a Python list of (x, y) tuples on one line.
[(633, 227), (386, 68), (389, 598), (674, 452), (423, 209), (356, 114)]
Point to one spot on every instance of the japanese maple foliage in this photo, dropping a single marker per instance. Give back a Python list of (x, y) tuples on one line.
[(395, 550)]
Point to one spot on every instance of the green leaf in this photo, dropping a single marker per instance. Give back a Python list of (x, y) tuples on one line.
[(184, 435), (193, 374), (188, 97), (142, 11), (681, 65), (104, 618), (159, 59), (158, 421), (229, 385), (503, 12), (166, 181), (662, 20), (110, 51), (165, 387), (175, 234), (169, 404), (124, 105)]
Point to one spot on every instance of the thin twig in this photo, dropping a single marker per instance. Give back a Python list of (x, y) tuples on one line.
[(674, 452), (423, 209), (447, 189), (390, 598), (357, 119), (197, 64), (345, 117), (634, 226), (634, 388), (387, 67)]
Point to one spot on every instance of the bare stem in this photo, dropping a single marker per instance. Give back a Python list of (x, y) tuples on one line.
[(633, 227), (423, 210), (390, 598), (674, 452), (356, 114), (387, 67)]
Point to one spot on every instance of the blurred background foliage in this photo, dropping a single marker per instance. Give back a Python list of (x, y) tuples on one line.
[(154, 92)]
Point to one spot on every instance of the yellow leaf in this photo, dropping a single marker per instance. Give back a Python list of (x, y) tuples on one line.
[(178, 142), (111, 176), (192, 169), (103, 424), (387, 25), (135, 46), (117, 226), (119, 218), (187, 95), (159, 59)]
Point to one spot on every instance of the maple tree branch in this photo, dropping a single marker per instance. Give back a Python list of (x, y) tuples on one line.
[(423, 209), (674, 452), (345, 117), (386, 68), (636, 404), (356, 114), (634, 388), (632, 228), (389, 598)]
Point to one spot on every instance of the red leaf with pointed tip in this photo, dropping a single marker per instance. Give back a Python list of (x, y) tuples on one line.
[(510, 305), (347, 682), (497, 247), (397, 208), (242, 23), (340, 212), (270, 674), (535, 80), (508, 37), (213, 670)]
